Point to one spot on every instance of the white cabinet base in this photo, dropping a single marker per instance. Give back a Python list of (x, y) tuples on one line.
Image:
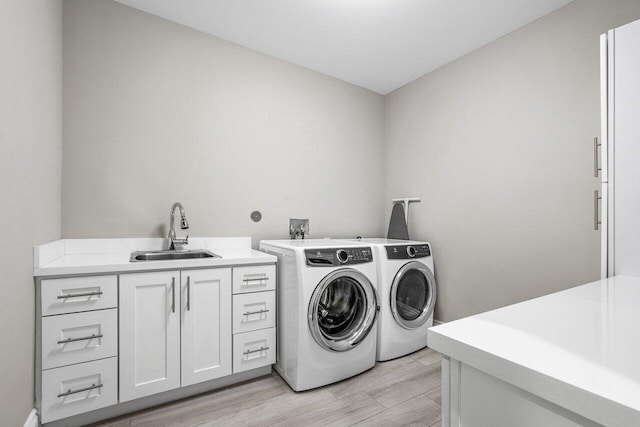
[(472, 397)]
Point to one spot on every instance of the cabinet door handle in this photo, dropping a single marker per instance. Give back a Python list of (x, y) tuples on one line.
[(596, 220), (80, 390), (80, 339), (596, 167), (261, 349), (188, 293), (248, 313), (85, 294), (173, 294)]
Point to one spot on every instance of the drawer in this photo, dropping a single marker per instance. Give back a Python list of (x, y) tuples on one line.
[(79, 388), (254, 278), (252, 311), (254, 349), (79, 337), (72, 294)]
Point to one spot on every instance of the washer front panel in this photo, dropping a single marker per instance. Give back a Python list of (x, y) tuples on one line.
[(408, 251), (335, 257), (342, 310), (413, 295)]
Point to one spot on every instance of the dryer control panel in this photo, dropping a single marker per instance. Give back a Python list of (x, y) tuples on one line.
[(335, 257), (408, 251)]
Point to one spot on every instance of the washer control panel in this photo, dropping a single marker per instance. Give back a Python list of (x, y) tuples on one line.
[(408, 251), (335, 257)]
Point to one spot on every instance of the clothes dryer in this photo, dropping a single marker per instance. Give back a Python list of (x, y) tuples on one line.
[(407, 290), (327, 310)]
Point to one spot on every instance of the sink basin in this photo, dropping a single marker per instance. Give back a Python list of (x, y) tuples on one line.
[(171, 255)]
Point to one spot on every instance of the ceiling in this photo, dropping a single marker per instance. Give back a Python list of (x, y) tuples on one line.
[(377, 44)]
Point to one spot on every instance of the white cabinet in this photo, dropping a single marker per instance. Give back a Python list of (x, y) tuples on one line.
[(75, 389), (254, 314), (149, 333), (254, 349), (77, 346), (206, 324), (252, 311), (620, 65), (109, 339), (79, 337), (74, 294), (254, 278), (175, 330)]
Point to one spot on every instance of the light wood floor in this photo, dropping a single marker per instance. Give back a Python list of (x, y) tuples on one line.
[(400, 392)]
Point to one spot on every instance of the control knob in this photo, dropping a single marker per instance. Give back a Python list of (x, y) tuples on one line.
[(411, 251), (342, 255)]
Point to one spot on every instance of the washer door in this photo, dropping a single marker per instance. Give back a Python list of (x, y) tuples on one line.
[(413, 295), (342, 310)]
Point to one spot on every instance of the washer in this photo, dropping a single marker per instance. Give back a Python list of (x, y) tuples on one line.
[(407, 289), (327, 310)]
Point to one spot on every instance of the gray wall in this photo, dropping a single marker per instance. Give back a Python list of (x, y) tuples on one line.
[(155, 112), (30, 181), (499, 146)]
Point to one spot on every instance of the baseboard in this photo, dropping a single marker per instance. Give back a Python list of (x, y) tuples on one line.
[(32, 419), (437, 322)]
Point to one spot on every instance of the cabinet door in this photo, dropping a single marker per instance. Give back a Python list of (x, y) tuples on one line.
[(626, 151), (206, 324), (149, 333)]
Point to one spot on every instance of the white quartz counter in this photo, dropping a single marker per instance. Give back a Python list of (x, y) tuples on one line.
[(579, 348), (87, 256)]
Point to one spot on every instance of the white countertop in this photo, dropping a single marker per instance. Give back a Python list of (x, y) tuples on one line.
[(578, 348), (88, 256)]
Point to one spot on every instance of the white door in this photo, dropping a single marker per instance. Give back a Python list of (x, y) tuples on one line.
[(626, 150), (149, 333), (206, 324)]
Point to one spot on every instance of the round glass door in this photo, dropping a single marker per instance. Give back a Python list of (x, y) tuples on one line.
[(413, 295), (342, 310)]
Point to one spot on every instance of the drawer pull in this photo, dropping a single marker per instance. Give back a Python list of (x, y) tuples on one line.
[(80, 390), (248, 313), (86, 294), (80, 339), (261, 349)]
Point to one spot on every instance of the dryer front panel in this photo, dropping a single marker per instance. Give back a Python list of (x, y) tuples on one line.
[(413, 295), (342, 310)]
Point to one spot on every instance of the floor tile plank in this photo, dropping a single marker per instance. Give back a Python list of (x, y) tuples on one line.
[(436, 394), (419, 411), (212, 405), (276, 410), (408, 386), (426, 356), (339, 413), (115, 422), (382, 373)]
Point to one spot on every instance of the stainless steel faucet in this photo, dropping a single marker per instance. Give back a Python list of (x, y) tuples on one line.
[(175, 243)]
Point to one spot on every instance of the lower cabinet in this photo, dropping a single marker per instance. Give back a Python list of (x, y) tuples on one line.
[(149, 333), (254, 317), (109, 339), (79, 388), (206, 325), (169, 313)]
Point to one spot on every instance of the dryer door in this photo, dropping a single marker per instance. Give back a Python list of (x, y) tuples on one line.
[(413, 295), (342, 310)]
